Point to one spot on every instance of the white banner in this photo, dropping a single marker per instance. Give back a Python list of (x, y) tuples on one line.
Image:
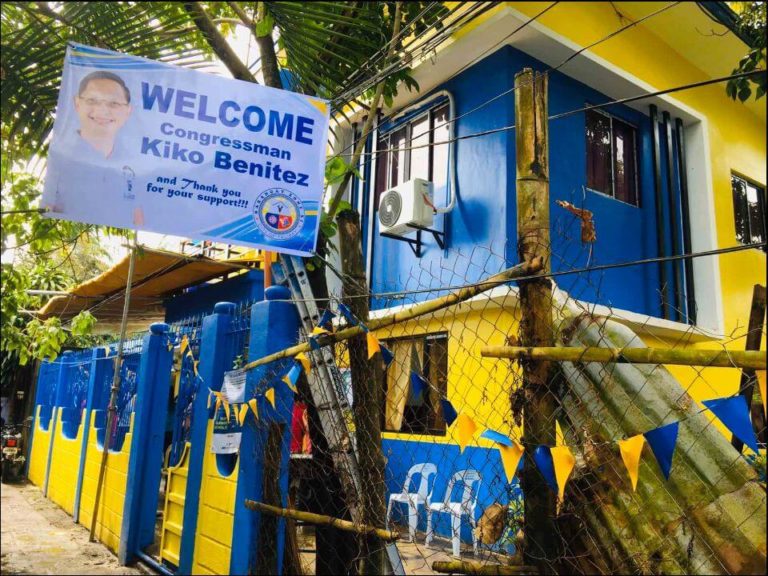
[(145, 145)]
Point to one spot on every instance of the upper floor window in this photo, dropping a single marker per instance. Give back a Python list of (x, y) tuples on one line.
[(611, 157), (410, 152), (403, 410), (748, 210)]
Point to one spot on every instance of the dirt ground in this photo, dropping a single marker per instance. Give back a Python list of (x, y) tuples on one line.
[(38, 537)]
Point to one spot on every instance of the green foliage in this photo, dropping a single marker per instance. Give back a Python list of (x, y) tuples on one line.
[(752, 23)]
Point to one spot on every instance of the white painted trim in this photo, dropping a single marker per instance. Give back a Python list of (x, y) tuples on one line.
[(665, 331)]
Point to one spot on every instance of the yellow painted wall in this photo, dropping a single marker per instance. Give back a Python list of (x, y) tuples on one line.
[(38, 455), (110, 515), (479, 387), (213, 538), (736, 135), (65, 463), (173, 517)]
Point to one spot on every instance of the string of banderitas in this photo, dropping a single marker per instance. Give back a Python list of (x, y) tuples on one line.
[(555, 463)]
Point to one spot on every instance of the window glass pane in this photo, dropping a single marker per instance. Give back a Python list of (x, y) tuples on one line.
[(756, 210), (420, 156), (440, 152), (398, 139), (740, 209), (625, 171), (382, 168), (437, 374), (598, 152)]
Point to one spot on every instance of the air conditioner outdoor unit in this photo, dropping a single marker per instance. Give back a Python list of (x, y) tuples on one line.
[(409, 203)]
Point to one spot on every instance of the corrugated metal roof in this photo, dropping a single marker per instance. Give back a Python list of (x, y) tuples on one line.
[(157, 274)]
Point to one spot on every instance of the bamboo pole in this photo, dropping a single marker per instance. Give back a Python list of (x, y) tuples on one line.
[(681, 357), (112, 408), (321, 519), (533, 241), (468, 567), (521, 270)]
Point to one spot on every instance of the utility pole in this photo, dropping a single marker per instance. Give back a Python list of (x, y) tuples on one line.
[(532, 188)]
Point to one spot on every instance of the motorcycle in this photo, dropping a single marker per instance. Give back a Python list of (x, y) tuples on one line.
[(13, 458)]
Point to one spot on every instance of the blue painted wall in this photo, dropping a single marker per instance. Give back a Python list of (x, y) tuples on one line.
[(402, 454), (202, 299), (482, 229)]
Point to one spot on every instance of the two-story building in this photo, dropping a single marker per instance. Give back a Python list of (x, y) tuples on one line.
[(663, 175)]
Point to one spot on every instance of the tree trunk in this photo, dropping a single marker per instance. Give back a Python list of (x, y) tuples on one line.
[(532, 189), (367, 393)]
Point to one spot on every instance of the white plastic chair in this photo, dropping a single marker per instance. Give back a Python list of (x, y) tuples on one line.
[(471, 480), (413, 499)]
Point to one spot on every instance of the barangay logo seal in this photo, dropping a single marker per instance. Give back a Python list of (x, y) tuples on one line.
[(279, 213)]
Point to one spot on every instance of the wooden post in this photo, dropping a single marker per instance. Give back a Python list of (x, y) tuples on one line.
[(367, 393), (532, 159), (112, 408), (747, 384)]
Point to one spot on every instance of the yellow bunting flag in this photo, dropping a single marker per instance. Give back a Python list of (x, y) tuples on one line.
[(563, 461), (559, 437), (318, 330), (630, 449), (184, 344), (287, 380), (218, 402), (761, 384), (242, 413), (304, 362), (270, 395), (226, 407), (467, 428), (373, 344), (254, 407), (510, 458)]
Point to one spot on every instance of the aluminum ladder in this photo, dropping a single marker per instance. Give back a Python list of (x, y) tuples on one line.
[(331, 405)]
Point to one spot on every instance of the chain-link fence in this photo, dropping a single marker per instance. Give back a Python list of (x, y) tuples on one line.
[(437, 430)]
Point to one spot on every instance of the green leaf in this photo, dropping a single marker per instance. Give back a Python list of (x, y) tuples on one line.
[(264, 26)]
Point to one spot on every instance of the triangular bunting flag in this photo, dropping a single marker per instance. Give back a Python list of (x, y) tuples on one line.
[(318, 330), (510, 459), (184, 344), (467, 428), (386, 355), (348, 316), (497, 437), (226, 407), (418, 384), (303, 359), (734, 413), (563, 461), (241, 415), (449, 412), (218, 401), (662, 441), (270, 395), (509, 450), (254, 407), (292, 377), (761, 384), (313, 345), (630, 449), (326, 318), (373, 345), (542, 456)]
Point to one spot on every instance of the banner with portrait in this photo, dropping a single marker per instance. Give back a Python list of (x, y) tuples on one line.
[(145, 145)]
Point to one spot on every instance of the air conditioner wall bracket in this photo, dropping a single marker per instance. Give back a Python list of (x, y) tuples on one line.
[(416, 243)]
